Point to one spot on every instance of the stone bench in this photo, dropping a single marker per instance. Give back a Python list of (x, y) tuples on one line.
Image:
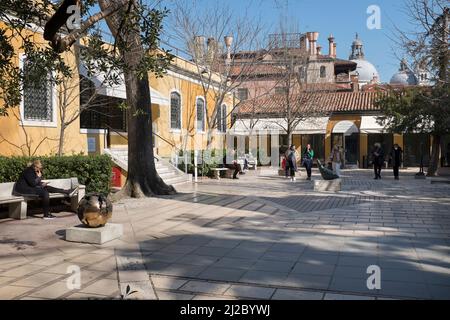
[(18, 204), (228, 172), (328, 185)]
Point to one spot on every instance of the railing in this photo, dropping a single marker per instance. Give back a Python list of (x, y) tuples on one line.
[(177, 150)]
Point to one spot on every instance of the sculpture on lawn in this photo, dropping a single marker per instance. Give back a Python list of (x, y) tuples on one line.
[(326, 173), (94, 210)]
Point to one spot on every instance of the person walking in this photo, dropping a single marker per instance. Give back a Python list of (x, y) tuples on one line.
[(30, 184), (396, 156), (308, 157), (336, 160), (291, 162), (377, 159)]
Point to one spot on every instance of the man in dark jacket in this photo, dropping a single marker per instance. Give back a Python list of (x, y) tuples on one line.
[(396, 157), (378, 160), (234, 165), (30, 184)]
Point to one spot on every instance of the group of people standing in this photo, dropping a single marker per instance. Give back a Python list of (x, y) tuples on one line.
[(379, 158), (291, 161), (337, 160)]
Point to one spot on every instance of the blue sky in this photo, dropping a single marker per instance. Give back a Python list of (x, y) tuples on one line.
[(342, 18)]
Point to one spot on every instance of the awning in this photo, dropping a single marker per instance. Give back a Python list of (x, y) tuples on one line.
[(119, 91), (345, 127), (369, 125), (316, 125)]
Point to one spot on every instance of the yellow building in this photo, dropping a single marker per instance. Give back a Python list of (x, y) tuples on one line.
[(179, 111), (33, 127)]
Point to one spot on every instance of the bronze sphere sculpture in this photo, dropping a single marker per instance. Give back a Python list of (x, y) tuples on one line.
[(94, 210)]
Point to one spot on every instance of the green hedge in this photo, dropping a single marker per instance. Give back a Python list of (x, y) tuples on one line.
[(92, 171)]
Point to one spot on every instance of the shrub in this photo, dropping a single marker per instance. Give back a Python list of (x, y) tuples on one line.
[(93, 171)]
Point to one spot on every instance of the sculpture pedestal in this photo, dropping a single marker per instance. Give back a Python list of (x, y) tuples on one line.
[(328, 185), (94, 235)]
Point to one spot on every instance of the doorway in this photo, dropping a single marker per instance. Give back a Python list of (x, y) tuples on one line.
[(346, 135)]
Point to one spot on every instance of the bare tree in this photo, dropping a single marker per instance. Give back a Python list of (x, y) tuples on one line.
[(300, 80), (201, 31)]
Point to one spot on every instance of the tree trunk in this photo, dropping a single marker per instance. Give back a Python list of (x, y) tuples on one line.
[(142, 179), (209, 139), (61, 140), (435, 156)]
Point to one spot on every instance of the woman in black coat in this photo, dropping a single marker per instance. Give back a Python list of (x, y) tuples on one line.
[(396, 157), (30, 184), (378, 160)]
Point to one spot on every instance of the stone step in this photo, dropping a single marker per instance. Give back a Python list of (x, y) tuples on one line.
[(176, 180)]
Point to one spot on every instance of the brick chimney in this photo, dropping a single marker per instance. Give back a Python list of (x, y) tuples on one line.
[(319, 50), (312, 38), (331, 46), (354, 82), (303, 44)]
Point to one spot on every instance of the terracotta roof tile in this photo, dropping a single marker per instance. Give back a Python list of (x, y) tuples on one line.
[(325, 102)]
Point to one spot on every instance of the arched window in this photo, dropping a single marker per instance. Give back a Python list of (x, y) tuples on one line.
[(175, 110), (323, 72), (200, 114)]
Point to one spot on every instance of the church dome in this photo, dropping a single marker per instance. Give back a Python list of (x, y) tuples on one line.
[(404, 76), (365, 70)]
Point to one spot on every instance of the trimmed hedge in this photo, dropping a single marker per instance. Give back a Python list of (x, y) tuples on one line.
[(93, 171)]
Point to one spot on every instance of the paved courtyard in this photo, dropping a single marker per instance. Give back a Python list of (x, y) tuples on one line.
[(261, 237)]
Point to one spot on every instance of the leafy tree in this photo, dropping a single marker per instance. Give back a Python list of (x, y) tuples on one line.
[(135, 26), (423, 109)]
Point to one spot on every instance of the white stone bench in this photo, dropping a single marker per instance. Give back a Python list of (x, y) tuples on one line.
[(328, 185), (18, 204), (228, 172)]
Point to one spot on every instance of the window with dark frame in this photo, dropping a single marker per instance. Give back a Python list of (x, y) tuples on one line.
[(37, 99), (200, 114), (175, 110), (323, 72), (281, 90), (242, 94)]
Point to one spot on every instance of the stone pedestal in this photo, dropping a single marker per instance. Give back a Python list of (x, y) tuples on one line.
[(94, 235), (328, 185)]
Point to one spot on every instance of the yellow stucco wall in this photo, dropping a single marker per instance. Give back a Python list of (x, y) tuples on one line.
[(398, 139), (189, 138), (363, 152), (334, 119), (17, 139)]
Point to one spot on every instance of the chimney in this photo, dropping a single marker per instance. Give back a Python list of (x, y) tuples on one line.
[(313, 42), (211, 48), (199, 47), (331, 46), (303, 44), (334, 50), (354, 82), (319, 50)]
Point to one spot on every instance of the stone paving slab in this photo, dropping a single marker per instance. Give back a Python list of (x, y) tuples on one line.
[(260, 237)]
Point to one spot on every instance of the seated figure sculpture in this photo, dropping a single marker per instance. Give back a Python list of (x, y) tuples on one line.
[(326, 173)]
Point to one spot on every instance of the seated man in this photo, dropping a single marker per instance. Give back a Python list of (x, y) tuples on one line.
[(30, 184), (233, 166)]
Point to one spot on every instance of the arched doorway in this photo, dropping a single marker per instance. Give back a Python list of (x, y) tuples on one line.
[(346, 134)]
